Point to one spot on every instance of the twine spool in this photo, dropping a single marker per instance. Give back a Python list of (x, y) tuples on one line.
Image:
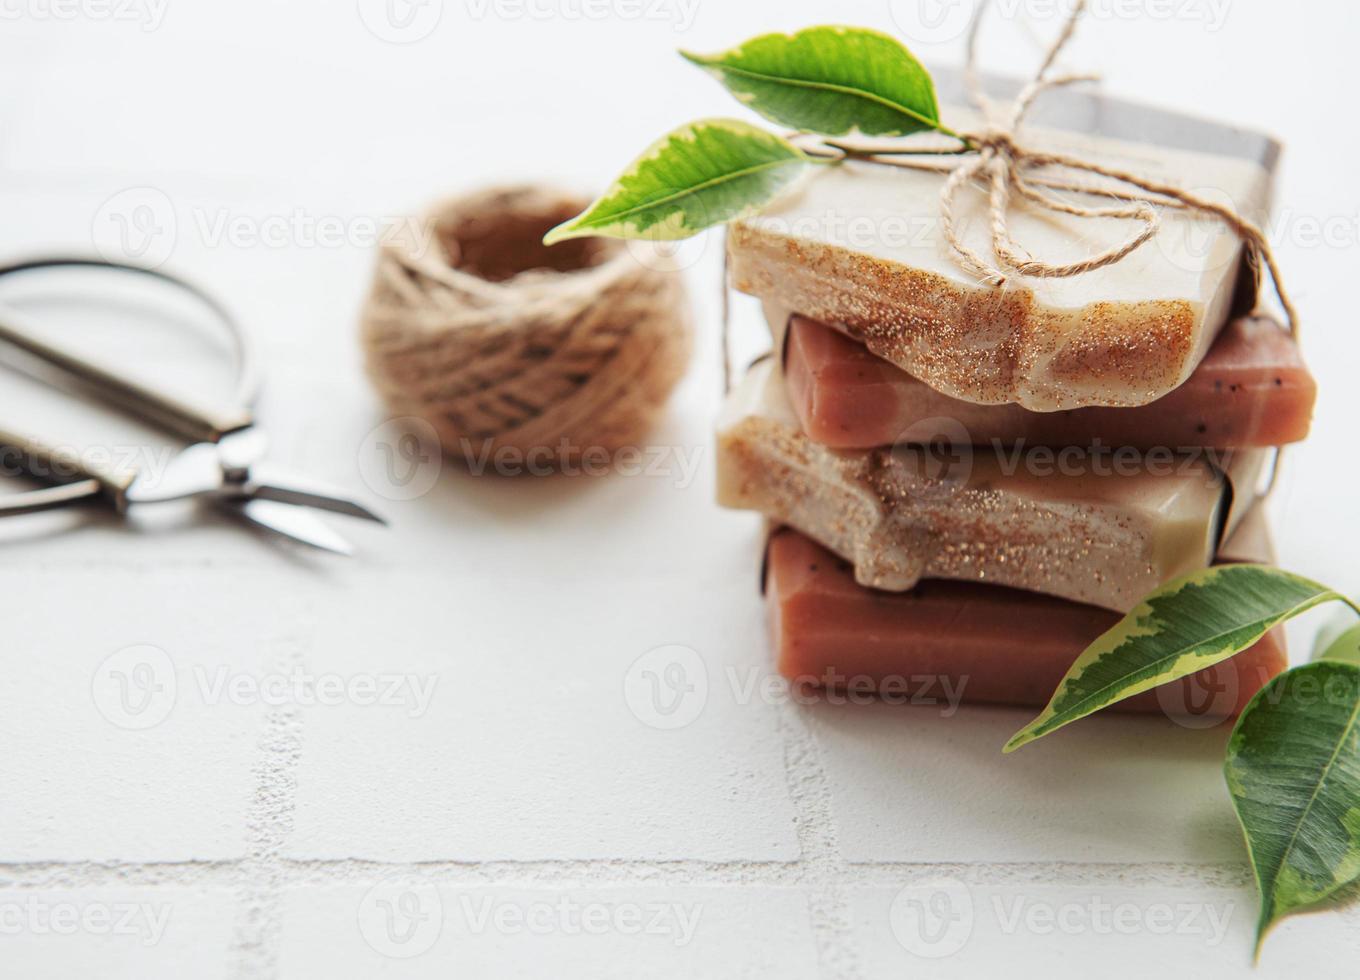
[(503, 343)]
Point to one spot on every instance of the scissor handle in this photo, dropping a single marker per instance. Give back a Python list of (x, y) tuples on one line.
[(21, 453), (185, 417)]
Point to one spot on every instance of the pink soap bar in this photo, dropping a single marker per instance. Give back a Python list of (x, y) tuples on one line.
[(1252, 389), (980, 643)]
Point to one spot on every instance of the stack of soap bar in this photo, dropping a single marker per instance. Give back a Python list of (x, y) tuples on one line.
[(974, 482)]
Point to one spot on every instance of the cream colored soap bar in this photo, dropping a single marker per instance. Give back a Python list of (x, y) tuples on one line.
[(1092, 532), (859, 246)]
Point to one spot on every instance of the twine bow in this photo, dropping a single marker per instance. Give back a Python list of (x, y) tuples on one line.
[(1007, 168)]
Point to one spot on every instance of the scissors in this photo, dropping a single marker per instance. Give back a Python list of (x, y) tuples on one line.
[(223, 462)]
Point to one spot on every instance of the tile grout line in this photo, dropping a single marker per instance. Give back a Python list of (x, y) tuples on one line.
[(260, 875), (622, 872), (819, 848)]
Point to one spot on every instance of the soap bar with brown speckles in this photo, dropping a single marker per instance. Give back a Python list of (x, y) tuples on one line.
[(859, 246), (1098, 528)]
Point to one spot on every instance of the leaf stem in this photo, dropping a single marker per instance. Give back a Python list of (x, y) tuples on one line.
[(861, 154), (967, 143), (856, 152)]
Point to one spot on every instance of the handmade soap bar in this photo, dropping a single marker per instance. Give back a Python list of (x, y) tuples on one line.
[(1251, 389), (859, 246), (975, 642), (1090, 529)]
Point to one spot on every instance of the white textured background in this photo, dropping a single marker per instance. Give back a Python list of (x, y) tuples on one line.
[(469, 834)]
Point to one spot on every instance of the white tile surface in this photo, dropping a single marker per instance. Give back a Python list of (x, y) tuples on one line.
[(529, 748), (409, 927), (945, 927), (138, 755), (116, 932), (912, 786), (529, 601)]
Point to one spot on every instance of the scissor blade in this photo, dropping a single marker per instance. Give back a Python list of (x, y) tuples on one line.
[(268, 482), (50, 498), (192, 472), (292, 522)]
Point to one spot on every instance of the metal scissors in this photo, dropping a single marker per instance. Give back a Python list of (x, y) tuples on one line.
[(222, 463)]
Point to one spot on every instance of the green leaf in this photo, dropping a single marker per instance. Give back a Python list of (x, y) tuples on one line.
[(1293, 768), (1188, 624), (699, 175), (1338, 641), (830, 80)]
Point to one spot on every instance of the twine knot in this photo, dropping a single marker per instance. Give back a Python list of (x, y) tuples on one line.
[(992, 140), (1005, 168)]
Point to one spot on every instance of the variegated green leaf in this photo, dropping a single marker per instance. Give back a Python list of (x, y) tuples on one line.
[(1338, 640), (1187, 625), (1293, 768), (830, 80), (699, 175)]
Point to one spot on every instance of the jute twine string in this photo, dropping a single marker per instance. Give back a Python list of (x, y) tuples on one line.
[(502, 343)]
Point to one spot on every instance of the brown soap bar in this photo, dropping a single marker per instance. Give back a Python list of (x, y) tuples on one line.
[(1251, 390), (982, 643)]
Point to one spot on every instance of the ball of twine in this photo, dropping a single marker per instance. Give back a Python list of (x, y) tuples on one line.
[(501, 342)]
